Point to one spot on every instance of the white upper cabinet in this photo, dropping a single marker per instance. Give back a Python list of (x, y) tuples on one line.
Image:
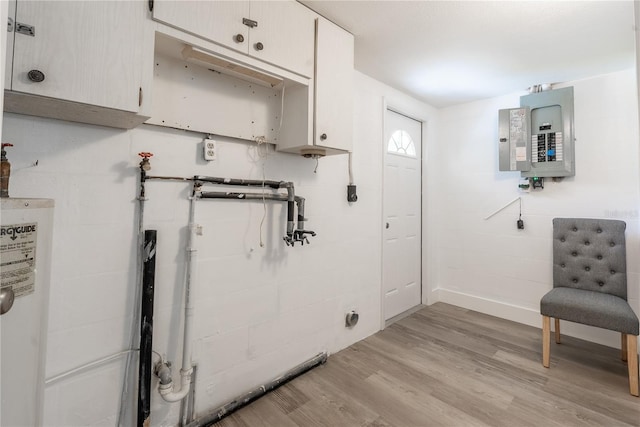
[(277, 32), (333, 124), (84, 51), (216, 21), (81, 52)]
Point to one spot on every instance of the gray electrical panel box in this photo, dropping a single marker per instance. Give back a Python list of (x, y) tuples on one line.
[(515, 137), (546, 118)]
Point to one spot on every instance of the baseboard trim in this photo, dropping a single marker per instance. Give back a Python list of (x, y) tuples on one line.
[(522, 315)]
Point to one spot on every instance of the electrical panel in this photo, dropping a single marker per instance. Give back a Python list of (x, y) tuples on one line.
[(514, 133), (545, 121)]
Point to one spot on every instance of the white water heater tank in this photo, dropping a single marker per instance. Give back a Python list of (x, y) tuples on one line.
[(25, 270)]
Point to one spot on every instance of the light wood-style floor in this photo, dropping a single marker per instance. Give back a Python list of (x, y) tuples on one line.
[(448, 366)]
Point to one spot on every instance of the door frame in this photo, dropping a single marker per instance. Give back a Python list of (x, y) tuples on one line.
[(408, 112)]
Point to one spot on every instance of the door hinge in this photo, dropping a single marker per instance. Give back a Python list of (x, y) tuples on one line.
[(140, 97), (10, 26), (249, 22), (150, 5)]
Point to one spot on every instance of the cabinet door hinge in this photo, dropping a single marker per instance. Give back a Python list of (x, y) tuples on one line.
[(28, 30), (10, 26), (249, 22), (140, 97)]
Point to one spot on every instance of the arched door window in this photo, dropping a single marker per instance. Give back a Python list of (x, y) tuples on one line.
[(401, 143)]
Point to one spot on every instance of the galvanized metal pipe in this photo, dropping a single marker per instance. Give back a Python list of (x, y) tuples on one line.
[(242, 196), (243, 182), (244, 400)]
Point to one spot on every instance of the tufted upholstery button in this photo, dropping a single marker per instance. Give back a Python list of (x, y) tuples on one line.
[(599, 257), (575, 280), (574, 253), (613, 272), (562, 265), (612, 244), (587, 243), (601, 283), (599, 230), (562, 239), (587, 268), (575, 228)]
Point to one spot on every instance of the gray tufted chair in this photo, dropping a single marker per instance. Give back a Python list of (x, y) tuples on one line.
[(590, 285)]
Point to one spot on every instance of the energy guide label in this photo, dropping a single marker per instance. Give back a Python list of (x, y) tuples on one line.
[(18, 257)]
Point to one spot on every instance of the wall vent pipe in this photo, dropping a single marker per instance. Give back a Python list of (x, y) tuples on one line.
[(242, 401)]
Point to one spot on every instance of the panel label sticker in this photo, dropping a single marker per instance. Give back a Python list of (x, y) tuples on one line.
[(18, 257)]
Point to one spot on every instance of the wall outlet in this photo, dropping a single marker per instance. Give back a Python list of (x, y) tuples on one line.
[(209, 150), (352, 195)]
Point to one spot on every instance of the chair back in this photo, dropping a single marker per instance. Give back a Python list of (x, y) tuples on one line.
[(590, 254)]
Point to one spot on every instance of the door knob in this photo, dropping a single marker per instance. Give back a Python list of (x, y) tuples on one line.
[(259, 46), (239, 38)]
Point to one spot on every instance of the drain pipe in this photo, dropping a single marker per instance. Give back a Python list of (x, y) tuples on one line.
[(240, 402), (146, 328), (166, 387), (291, 194)]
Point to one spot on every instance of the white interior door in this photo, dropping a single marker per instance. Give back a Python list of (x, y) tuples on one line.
[(402, 201)]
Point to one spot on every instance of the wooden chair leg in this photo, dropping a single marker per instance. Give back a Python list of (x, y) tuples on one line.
[(546, 338), (632, 363), (557, 330), (624, 347)]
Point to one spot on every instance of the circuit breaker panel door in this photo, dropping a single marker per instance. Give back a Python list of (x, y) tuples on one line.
[(552, 148), (514, 131)]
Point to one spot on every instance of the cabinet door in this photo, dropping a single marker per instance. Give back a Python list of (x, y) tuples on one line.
[(217, 21), (10, 36), (286, 31), (333, 126), (88, 51)]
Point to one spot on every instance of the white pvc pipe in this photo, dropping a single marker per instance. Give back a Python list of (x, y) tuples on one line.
[(167, 391), (502, 208)]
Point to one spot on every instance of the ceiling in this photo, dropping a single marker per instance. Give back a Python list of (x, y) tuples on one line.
[(452, 52)]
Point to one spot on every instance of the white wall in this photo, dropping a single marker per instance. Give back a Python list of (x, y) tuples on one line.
[(489, 265), (259, 311)]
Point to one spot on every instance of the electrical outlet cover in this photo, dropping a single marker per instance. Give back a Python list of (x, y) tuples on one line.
[(209, 150)]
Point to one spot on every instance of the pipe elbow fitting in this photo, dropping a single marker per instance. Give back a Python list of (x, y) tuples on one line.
[(164, 373), (167, 391)]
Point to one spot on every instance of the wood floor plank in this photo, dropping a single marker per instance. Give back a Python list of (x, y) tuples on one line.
[(449, 366)]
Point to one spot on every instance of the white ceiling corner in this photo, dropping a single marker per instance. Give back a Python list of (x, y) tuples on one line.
[(451, 52)]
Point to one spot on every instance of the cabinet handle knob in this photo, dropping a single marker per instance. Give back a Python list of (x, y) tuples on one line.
[(323, 136), (35, 76), (259, 46), (239, 38)]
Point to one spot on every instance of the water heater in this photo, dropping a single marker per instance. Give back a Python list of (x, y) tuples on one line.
[(25, 258)]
